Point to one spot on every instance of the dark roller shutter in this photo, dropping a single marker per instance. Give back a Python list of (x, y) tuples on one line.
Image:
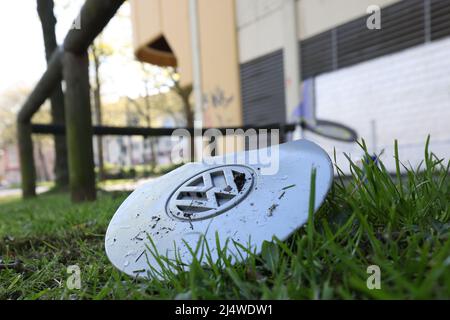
[(262, 82), (316, 54), (440, 18), (403, 25)]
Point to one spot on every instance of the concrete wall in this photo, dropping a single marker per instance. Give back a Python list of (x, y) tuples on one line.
[(406, 95), (220, 66), (316, 16), (218, 50), (265, 26), (170, 18), (260, 27), (403, 96), (260, 23)]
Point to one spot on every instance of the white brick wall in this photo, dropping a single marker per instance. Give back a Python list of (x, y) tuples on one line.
[(406, 94)]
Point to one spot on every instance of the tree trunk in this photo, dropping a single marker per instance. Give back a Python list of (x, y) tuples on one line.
[(148, 120), (79, 127), (98, 115), (41, 155), (151, 144), (184, 94), (190, 124), (130, 152), (48, 22)]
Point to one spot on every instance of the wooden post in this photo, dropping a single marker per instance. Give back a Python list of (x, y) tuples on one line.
[(40, 93), (79, 127), (94, 16), (27, 168)]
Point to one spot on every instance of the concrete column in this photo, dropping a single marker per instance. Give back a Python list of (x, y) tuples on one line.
[(197, 75), (291, 54)]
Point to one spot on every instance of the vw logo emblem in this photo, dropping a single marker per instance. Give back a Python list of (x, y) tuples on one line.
[(210, 193)]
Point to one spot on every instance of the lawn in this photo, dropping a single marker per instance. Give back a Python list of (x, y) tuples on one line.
[(399, 222)]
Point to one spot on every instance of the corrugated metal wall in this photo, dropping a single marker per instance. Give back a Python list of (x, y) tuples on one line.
[(262, 82)]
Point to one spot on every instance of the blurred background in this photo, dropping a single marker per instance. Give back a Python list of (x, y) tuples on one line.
[(260, 62)]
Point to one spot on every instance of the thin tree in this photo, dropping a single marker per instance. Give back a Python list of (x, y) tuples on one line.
[(184, 93), (145, 111), (99, 51), (48, 22)]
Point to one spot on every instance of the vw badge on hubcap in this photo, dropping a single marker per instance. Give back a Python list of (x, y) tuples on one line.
[(210, 193)]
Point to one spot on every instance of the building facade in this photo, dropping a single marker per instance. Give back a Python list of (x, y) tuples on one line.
[(387, 83)]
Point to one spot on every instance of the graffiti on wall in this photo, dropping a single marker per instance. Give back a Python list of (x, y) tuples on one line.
[(215, 102)]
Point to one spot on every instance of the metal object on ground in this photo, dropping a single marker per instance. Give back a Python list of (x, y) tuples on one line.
[(234, 199), (330, 129)]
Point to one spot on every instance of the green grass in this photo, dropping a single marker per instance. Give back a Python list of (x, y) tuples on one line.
[(400, 223)]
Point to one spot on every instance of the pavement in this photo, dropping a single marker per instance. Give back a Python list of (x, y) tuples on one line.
[(126, 186), (17, 192)]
